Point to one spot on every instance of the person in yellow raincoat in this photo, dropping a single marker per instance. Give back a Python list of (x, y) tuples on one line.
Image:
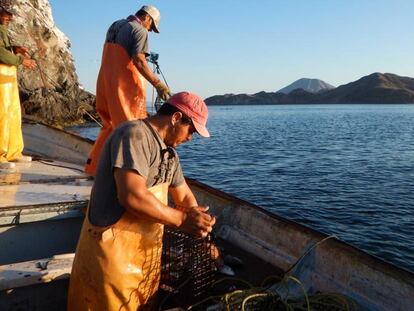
[(117, 261), (11, 138), (120, 89)]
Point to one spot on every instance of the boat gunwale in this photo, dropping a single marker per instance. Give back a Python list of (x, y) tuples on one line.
[(43, 205), (15, 212), (29, 120), (368, 259)]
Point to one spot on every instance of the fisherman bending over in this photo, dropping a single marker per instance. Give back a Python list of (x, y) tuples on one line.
[(117, 262)]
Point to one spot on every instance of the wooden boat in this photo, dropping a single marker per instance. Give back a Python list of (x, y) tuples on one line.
[(41, 211)]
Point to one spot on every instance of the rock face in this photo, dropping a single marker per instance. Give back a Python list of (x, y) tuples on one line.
[(377, 88), (308, 85), (51, 92)]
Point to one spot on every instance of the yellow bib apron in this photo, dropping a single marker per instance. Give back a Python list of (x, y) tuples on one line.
[(11, 138), (118, 267)]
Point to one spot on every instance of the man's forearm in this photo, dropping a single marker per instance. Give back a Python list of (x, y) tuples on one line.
[(183, 197), (186, 203), (134, 196), (143, 68), (148, 206)]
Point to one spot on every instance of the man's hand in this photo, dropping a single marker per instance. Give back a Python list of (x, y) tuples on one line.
[(197, 222), (163, 91), (21, 50), (29, 63)]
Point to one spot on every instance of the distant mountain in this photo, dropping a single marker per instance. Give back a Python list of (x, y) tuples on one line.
[(380, 88), (309, 85), (376, 88)]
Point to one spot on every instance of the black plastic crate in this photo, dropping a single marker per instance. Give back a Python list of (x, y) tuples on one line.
[(187, 268)]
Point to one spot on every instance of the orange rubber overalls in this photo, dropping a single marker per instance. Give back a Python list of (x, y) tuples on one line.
[(11, 138), (118, 267), (120, 96)]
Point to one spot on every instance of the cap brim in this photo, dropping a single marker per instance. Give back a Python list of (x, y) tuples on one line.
[(154, 27), (201, 129)]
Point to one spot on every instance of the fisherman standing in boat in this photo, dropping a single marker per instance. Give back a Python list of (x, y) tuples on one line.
[(120, 90), (11, 138), (117, 263)]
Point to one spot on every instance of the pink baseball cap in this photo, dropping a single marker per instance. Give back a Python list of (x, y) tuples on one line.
[(194, 107)]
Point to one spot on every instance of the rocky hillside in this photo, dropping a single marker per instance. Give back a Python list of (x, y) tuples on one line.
[(308, 85), (373, 89), (377, 88), (50, 92)]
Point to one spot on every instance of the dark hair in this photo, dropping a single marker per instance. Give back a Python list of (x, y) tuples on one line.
[(141, 13), (168, 110)]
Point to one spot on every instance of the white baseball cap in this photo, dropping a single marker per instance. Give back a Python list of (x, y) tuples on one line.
[(155, 15)]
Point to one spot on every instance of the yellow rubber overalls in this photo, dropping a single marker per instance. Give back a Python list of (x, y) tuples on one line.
[(118, 267), (11, 138)]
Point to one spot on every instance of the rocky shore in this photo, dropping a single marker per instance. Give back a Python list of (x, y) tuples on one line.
[(50, 93)]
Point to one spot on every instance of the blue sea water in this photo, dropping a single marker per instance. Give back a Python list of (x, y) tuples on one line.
[(346, 170)]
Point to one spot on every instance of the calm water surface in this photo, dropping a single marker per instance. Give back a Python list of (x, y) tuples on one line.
[(346, 170)]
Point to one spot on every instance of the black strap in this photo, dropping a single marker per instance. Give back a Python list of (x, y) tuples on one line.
[(168, 156)]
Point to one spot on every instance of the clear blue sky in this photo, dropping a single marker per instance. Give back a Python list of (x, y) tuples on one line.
[(214, 47)]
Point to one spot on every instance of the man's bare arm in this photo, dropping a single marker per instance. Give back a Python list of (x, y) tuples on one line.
[(183, 197), (140, 61), (139, 201)]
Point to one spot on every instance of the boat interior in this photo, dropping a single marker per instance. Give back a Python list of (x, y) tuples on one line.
[(42, 206)]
